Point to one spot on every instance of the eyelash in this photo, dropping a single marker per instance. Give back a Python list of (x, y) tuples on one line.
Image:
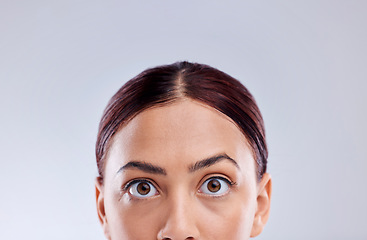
[(128, 185), (229, 183), (139, 180)]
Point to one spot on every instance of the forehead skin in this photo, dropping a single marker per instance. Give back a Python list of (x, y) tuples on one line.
[(186, 129), (174, 137)]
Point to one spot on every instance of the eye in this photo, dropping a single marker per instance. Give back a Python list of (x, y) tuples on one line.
[(142, 189), (215, 186)]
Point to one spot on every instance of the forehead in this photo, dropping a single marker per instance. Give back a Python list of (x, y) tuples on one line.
[(179, 133)]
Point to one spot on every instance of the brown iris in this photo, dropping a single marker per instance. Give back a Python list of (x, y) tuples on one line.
[(214, 185), (143, 188)]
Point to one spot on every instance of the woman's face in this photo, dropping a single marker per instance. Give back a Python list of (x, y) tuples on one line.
[(182, 171)]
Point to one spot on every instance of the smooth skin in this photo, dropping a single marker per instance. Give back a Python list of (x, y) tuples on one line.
[(163, 172)]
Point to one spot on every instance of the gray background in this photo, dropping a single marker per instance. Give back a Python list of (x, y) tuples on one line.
[(304, 61)]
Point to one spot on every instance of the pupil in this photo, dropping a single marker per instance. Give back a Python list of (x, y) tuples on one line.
[(143, 188), (214, 185)]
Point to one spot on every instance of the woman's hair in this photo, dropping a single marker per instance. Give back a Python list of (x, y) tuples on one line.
[(165, 84)]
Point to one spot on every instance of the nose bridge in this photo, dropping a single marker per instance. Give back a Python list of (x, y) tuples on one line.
[(180, 222)]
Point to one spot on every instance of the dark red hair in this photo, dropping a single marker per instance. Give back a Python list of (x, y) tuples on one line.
[(165, 84)]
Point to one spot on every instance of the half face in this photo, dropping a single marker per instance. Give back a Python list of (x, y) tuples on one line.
[(182, 171)]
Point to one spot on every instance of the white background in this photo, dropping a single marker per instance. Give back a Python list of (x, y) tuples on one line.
[(304, 61)]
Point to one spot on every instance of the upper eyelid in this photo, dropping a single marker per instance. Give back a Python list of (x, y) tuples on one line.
[(127, 185), (213, 176), (207, 177), (219, 177)]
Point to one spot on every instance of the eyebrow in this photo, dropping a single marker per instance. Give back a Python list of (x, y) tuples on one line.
[(205, 163), (143, 166), (150, 168)]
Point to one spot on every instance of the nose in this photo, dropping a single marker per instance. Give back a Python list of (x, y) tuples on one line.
[(180, 221)]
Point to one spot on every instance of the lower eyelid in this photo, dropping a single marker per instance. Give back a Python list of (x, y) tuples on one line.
[(229, 185), (127, 188)]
